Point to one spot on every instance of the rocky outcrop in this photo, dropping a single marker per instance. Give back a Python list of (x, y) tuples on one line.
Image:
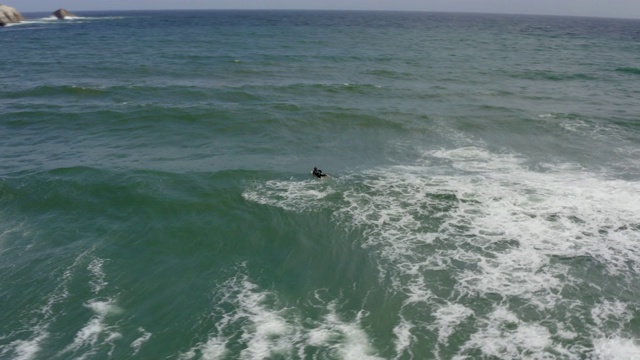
[(63, 13), (9, 15)]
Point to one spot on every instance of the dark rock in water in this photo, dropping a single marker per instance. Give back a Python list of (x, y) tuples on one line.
[(9, 15), (63, 13)]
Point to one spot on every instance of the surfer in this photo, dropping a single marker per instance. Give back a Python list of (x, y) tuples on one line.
[(318, 173)]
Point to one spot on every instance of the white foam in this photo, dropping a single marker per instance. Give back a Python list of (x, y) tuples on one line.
[(269, 329), (269, 332), (290, 194), (266, 331), (29, 348), (498, 229), (99, 277), (447, 318), (137, 343), (404, 338), (503, 336), (96, 328), (543, 214), (26, 349), (54, 20), (612, 315), (616, 349), (354, 343), (215, 348), (44, 20)]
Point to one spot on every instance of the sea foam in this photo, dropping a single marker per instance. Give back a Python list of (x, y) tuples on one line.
[(499, 229), (267, 328)]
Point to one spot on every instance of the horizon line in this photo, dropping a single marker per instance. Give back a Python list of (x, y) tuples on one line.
[(346, 10)]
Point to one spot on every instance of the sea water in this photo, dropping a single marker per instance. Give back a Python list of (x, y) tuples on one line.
[(156, 201)]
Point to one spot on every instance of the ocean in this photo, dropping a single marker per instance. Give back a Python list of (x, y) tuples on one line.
[(483, 197)]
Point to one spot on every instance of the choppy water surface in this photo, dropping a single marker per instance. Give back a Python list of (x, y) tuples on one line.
[(156, 202)]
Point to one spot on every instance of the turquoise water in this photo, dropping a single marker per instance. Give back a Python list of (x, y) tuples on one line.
[(156, 201)]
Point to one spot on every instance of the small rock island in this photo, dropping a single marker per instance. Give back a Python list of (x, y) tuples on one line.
[(9, 15), (61, 14)]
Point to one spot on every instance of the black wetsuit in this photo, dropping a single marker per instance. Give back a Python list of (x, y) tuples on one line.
[(318, 173)]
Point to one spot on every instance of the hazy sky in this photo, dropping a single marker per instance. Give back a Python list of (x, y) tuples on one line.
[(601, 8)]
